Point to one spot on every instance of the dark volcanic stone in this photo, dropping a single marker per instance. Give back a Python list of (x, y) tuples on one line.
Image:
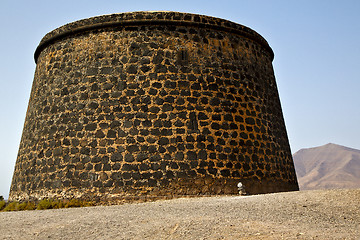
[(152, 104)]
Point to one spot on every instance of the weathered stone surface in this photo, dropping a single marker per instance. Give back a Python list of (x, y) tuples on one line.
[(152, 103)]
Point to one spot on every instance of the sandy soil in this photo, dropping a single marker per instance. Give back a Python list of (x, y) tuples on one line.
[(331, 214)]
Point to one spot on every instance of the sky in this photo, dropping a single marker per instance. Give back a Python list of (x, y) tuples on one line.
[(316, 64)]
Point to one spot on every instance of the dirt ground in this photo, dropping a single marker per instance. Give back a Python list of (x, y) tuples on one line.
[(324, 214)]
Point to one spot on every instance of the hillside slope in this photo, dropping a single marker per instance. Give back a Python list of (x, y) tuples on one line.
[(324, 214), (328, 167)]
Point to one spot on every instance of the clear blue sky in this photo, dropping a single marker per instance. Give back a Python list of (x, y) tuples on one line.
[(317, 60)]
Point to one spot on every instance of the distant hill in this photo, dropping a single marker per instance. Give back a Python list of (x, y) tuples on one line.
[(327, 167)]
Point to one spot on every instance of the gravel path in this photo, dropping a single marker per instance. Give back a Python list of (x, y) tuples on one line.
[(330, 214)]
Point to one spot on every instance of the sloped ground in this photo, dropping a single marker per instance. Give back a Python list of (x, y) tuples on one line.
[(324, 214)]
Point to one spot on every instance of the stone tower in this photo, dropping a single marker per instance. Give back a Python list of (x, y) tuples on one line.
[(152, 104)]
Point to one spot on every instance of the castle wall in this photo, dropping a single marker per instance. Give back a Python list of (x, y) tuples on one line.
[(151, 104)]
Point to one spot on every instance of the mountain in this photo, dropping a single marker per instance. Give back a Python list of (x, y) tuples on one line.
[(327, 167)]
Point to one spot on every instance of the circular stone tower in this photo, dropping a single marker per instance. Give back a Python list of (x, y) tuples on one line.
[(151, 105)]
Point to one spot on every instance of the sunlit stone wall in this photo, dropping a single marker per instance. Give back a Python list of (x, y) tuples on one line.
[(150, 105)]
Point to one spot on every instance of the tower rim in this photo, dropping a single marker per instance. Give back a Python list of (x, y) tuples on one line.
[(146, 18)]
